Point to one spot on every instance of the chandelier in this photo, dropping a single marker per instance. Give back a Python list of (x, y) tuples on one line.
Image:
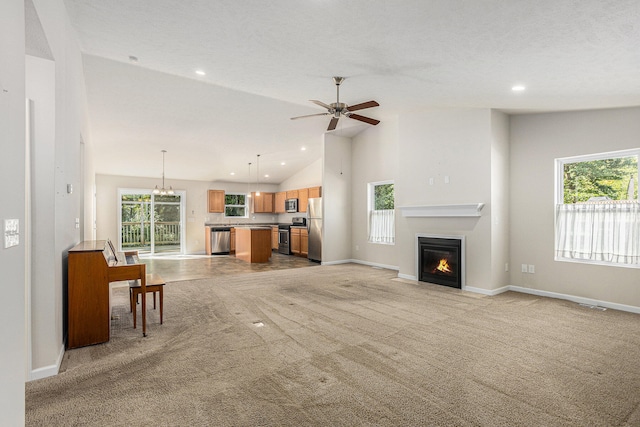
[(162, 191)]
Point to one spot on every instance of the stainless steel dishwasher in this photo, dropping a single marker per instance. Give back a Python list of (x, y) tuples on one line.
[(220, 240)]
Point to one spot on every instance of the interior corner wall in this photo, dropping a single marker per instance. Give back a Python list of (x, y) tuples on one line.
[(536, 141), (336, 199), (433, 146), (499, 200), (40, 89), (374, 159), (70, 123), (12, 260)]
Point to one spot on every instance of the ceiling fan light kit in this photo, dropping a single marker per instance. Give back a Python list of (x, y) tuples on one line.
[(339, 109)]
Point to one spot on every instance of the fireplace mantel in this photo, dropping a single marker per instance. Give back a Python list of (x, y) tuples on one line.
[(468, 209)]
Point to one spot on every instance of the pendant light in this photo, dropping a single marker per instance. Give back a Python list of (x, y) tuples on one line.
[(258, 176), (162, 191)]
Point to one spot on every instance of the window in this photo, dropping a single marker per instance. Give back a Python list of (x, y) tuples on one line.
[(381, 213), (597, 209), (235, 205)]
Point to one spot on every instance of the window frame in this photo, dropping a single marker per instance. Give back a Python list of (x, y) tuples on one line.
[(371, 207), (560, 162), (559, 196), (245, 206)]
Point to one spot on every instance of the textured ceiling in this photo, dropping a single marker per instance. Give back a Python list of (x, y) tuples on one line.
[(265, 59)]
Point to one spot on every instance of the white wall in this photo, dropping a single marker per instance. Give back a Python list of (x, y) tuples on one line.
[(12, 171), (439, 144), (374, 159), (311, 176), (64, 167), (536, 140), (499, 200), (336, 199), (40, 89), (196, 210)]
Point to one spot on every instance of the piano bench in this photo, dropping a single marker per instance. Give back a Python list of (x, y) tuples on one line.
[(155, 284)]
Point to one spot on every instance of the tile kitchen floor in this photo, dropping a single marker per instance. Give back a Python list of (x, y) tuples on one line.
[(174, 267)]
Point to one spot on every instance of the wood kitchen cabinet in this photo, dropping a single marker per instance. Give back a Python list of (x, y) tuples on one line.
[(304, 243), (232, 240), (303, 198), (280, 197), (262, 203), (299, 241), (274, 238), (292, 194), (315, 192), (215, 200), (294, 240)]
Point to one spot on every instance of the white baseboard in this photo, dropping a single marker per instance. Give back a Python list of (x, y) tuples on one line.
[(340, 261), (375, 264), (48, 371), (573, 298), (576, 299), (490, 292)]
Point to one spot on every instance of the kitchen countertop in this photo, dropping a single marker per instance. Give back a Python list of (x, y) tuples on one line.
[(254, 227), (258, 224)]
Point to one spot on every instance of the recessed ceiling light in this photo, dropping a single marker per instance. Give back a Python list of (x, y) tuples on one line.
[(266, 176), (232, 173), (282, 164), (518, 88), (303, 148), (201, 73)]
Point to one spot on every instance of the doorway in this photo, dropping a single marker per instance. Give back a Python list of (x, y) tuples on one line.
[(151, 223)]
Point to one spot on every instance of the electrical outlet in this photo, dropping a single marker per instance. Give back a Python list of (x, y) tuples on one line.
[(524, 268), (506, 266), (532, 268)]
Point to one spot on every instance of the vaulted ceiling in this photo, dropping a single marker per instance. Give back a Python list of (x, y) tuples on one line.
[(264, 60)]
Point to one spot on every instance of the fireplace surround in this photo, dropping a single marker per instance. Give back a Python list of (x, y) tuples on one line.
[(441, 260)]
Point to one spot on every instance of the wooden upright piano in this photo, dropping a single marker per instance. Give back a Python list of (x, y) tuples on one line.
[(93, 264)]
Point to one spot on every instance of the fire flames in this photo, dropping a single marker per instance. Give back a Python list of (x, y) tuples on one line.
[(444, 267)]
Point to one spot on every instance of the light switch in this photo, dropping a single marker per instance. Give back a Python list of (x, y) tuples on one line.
[(11, 232)]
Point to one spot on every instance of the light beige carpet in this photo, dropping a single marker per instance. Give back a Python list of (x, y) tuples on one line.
[(349, 346)]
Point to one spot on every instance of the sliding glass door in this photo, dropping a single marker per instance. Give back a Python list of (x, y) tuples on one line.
[(151, 223)]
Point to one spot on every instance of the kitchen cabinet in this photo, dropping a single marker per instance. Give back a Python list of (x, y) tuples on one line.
[(299, 241), (215, 200), (280, 197), (303, 197), (304, 243), (315, 192), (262, 203), (232, 241), (253, 244), (292, 194), (274, 238), (294, 240)]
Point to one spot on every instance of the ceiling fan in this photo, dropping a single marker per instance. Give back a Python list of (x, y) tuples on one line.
[(338, 109)]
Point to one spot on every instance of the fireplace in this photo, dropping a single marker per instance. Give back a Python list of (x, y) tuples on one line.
[(441, 260)]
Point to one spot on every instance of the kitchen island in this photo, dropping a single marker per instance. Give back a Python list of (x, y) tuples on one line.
[(253, 244)]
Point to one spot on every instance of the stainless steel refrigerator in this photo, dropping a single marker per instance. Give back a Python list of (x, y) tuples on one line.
[(314, 227)]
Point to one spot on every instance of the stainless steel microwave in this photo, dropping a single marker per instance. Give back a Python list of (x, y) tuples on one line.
[(291, 205)]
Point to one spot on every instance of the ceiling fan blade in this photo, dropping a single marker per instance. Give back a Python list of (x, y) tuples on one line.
[(364, 119), (333, 123), (363, 105), (309, 115), (320, 103)]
